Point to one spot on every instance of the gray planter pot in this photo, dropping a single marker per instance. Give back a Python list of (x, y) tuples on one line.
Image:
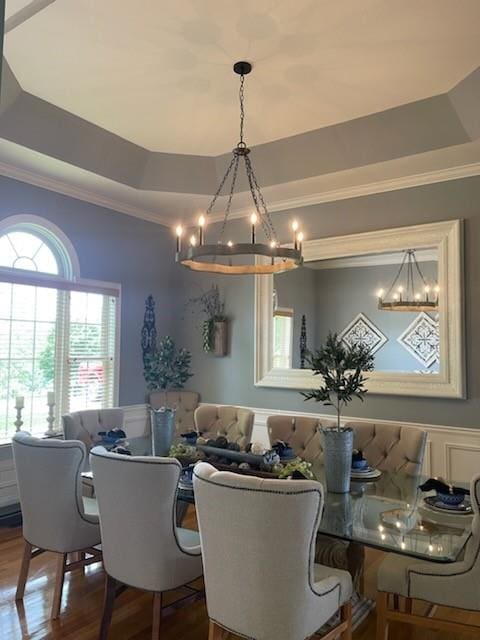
[(337, 450), (163, 430)]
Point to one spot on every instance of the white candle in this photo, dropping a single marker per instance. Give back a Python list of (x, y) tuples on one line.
[(253, 222), (201, 224), (19, 402), (51, 398)]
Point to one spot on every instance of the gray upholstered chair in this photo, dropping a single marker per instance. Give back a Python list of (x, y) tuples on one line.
[(55, 516), (268, 588), (234, 423), (451, 585), (85, 425), (185, 403), (141, 545), (301, 433), (390, 447)]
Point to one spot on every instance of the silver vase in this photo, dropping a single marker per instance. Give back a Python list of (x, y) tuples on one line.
[(337, 456), (163, 430)]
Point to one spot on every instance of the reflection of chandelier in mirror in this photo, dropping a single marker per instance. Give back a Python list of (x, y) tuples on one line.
[(219, 257), (409, 291)]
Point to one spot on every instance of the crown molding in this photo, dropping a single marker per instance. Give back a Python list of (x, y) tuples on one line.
[(344, 193), (66, 189), (358, 191)]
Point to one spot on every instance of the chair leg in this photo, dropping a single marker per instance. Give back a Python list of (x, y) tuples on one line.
[(382, 623), (157, 616), (24, 567), (408, 605), (214, 631), (108, 604), (59, 578), (346, 616)]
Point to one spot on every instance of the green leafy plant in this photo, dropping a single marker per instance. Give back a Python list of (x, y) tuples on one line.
[(212, 306), (167, 367), (342, 368), (304, 467)]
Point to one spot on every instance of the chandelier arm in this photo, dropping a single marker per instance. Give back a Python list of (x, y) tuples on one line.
[(420, 272), (260, 202), (230, 197), (221, 185), (395, 280), (266, 213)]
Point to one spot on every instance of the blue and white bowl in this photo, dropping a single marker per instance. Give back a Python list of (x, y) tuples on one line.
[(452, 499), (359, 465)]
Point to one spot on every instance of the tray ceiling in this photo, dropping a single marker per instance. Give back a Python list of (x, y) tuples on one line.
[(159, 73)]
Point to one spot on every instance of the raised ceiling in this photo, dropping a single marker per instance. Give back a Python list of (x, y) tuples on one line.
[(133, 105), (158, 73)]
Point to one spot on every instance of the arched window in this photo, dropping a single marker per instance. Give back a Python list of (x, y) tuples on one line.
[(58, 337)]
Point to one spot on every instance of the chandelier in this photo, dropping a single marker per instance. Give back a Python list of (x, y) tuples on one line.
[(409, 290), (220, 257)]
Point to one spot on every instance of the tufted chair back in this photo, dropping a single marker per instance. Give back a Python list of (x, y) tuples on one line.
[(301, 433), (185, 402), (391, 448), (84, 425), (232, 422), (49, 484)]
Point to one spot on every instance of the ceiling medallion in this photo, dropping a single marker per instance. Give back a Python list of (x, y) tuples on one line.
[(268, 257), (409, 290)]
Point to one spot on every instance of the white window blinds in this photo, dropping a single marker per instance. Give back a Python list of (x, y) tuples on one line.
[(55, 336)]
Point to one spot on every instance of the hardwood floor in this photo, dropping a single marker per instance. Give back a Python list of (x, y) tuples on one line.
[(83, 598)]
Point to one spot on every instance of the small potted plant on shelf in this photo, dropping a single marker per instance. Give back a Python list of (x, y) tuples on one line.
[(342, 369), (215, 324), (166, 367)]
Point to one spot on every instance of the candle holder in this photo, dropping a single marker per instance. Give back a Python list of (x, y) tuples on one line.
[(51, 419), (18, 422)]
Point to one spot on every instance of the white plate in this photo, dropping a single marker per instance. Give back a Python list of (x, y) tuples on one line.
[(367, 474)]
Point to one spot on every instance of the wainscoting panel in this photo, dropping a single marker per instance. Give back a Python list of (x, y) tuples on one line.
[(8, 483)]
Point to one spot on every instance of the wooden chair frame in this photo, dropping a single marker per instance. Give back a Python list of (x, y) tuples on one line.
[(113, 588), (78, 559), (343, 630), (385, 615)]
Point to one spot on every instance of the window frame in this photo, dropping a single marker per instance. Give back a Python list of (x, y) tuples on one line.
[(67, 280)]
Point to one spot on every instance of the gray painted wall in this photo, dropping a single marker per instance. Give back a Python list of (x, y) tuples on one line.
[(230, 379), (111, 247)]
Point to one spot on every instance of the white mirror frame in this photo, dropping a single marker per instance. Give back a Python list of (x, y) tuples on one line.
[(450, 381)]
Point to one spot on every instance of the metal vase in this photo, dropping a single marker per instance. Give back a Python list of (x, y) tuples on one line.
[(220, 338), (337, 455), (163, 430)]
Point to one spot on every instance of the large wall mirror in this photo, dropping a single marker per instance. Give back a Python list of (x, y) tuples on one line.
[(361, 286)]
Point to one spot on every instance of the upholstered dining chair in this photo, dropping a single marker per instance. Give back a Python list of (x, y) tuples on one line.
[(452, 585), (391, 447), (235, 423), (300, 432), (185, 403), (141, 545), (55, 516), (268, 588), (85, 425)]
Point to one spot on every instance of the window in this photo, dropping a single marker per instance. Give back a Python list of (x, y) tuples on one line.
[(282, 338), (57, 333)]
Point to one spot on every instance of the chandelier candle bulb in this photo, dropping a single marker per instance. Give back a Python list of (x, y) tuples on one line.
[(179, 232), (299, 240), (427, 291), (253, 221), (201, 224), (193, 241), (295, 229)]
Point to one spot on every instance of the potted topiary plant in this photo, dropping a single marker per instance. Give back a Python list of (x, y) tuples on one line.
[(166, 367), (215, 324), (342, 367)]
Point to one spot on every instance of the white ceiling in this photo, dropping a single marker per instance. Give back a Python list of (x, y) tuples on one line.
[(158, 73)]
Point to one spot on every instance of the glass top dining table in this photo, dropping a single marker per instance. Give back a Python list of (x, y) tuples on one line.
[(388, 513)]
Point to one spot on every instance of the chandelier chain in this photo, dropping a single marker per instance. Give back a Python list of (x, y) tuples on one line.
[(266, 215), (230, 197), (241, 95)]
